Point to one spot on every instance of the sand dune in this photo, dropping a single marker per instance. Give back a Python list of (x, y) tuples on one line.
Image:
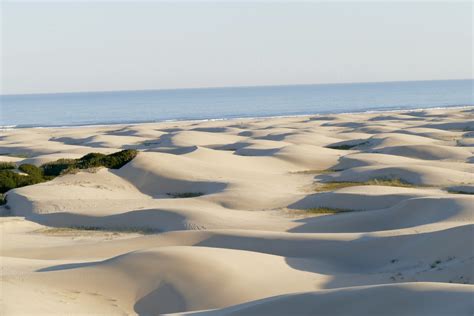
[(420, 175), (369, 159), (362, 198), (224, 218), (391, 300)]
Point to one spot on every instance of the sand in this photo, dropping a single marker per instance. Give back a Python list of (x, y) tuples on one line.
[(253, 240)]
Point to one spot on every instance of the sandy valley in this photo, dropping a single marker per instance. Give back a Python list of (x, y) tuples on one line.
[(347, 214)]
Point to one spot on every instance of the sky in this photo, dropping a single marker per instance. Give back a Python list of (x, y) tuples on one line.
[(73, 46)]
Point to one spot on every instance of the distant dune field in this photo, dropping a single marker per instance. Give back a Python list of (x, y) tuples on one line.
[(344, 214)]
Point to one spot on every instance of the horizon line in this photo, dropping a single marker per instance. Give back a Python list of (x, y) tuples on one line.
[(228, 87)]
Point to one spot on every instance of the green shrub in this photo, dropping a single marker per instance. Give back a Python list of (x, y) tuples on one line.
[(92, 160), (113, 161), (119, 159), (28, 180), (55, 168), (3, 199), (7, 165), (31, 170), (9, 179)]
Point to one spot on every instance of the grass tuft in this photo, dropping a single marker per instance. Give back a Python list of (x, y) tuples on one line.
[(313, 171), (79, 229), (330, 186), (326, 210)]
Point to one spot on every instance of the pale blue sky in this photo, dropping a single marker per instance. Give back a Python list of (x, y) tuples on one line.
[(91, 46)]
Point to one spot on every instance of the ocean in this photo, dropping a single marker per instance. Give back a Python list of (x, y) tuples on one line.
[(96, 108)]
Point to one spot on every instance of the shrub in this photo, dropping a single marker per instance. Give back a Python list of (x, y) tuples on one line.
[(9, 179), (3, 199), (7, 165), (92, 160), (113, 161), (31, 170), (55, 168), (119, 159)]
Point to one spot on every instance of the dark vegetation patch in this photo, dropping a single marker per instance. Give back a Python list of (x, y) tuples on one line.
[(459, 191), (10, 179), (345, 146), (3, 199), (58, 167), (183, 195), (7, 165), (92, 160), (28, 174), (31, 170)]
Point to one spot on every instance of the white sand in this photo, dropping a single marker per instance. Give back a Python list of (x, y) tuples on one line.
[(248, 246)]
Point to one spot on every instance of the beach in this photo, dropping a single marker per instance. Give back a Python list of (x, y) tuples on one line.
[(337, 214)]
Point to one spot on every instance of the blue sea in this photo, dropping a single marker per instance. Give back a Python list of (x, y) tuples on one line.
[(92, 108)]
